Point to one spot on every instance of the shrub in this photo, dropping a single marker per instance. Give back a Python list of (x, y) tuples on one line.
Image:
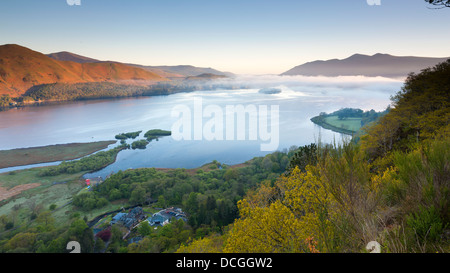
[(105, 235), (89, 201), (425, 224)]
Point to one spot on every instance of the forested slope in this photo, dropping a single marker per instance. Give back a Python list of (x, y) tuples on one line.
[(391, 187)]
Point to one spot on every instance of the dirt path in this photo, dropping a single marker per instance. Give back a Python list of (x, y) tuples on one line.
[(7, 193)]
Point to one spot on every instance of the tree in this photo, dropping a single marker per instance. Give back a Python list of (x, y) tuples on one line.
[(304, 156), (211, 244), (23, 242), (87, 240), (265, 230), (439, 3), (288, 217), (191, 206), (210, 203), (145, 228), (80, 232), (5, 100), (161, 201), (138, 195), (231, 174), (267, 163), (105, 235), (89, 201), (115, 240), (46, 220), (77, 228), (421, 111)]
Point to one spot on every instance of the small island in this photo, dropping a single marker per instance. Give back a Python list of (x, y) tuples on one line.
[(270, 91), (156, 133), (132, 135), (149, 136), (139, 144)]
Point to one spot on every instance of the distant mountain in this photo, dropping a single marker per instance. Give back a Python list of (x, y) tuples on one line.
[(178, 71), (165, 73), (191, 71), (206, 76), (22, 68), (68, 56), (383, 65)]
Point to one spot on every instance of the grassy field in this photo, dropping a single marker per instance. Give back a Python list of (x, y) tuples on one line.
[(27, 192), (46, 191), (347, 126), (43, 192), (27, 156), (352, 124)]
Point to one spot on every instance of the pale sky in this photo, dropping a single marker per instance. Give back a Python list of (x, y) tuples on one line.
[(239, 36)]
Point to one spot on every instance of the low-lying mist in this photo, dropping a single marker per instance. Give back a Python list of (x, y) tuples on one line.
[(257, 81), (344, 91)]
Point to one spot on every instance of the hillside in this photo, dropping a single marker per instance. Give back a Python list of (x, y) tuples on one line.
[(175, 72), (383, 65), (206, 76), (387, 192), (68, 56), (22, 68), (192, 71)]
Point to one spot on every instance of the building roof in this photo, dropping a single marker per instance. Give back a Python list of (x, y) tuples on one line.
[(119, 216), (166, 215)]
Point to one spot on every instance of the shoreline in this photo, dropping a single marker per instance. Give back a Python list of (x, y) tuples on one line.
[(318, 120), (159, 88), (50, 153)]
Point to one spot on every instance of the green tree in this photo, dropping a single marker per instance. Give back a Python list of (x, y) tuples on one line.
[(162, 201), (46, 221), (191, 206), (77, 228), (138, 195), (420, 112), (231, 174), (144, 228), (21, 242), (304, 156)]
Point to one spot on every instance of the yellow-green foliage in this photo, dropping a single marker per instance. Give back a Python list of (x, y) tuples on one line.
[(267, 229), (332, 206), (288, 217), (211, 244), (421, 111), (340, 205)]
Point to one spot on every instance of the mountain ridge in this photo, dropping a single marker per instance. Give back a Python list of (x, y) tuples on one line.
[(169, 71), (379, 64), (22, 68), (69, 56)]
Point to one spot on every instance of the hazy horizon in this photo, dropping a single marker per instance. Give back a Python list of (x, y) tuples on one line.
[(242, 37)]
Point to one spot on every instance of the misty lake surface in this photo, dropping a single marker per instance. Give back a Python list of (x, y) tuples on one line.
[(97, 120)]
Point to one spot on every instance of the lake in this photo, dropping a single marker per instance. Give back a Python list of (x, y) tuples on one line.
[(300, 100)]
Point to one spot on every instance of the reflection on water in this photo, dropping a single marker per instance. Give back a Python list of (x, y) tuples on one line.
[(97, 120)]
